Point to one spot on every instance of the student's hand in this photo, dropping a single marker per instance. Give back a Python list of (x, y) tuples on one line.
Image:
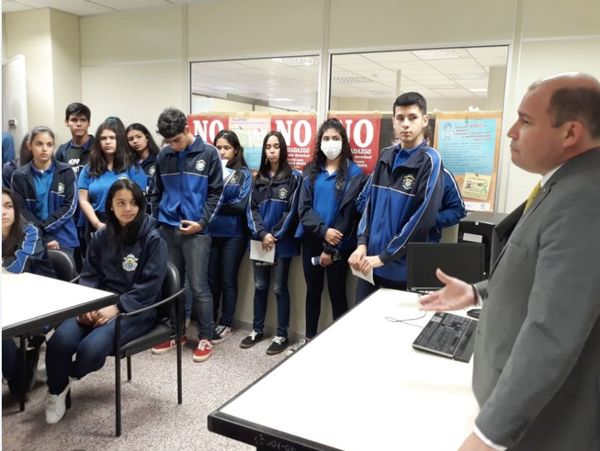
[(99, 225), (326, 260), (357, 256), (474, 443), (53, 245), (268, 242), (455, 295), (190, 227), (333, 236), (106, 314), (88, 319), (369, 263)]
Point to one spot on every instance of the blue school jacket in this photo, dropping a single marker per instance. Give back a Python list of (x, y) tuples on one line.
[(230, 219)]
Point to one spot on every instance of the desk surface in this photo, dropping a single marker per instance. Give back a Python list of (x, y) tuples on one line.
[(30, 301), (358, 386)]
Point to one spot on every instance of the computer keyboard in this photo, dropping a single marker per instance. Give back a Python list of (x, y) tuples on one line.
[(448, 335)]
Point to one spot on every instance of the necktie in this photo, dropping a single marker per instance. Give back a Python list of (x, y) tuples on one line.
[(534, 193)]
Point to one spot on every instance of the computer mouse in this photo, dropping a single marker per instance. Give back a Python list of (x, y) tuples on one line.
[(474, 313)]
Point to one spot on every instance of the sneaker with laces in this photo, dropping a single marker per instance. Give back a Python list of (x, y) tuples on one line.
[(297, 346), (166, 346), (251, 339), (221, 333), (203, 351), (56, 405), (278, 345)]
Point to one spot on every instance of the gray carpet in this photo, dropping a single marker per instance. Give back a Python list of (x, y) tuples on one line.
[(152, 420)]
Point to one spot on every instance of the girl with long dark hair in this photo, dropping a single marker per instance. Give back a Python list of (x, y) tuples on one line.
[(272, 218), (144, 148), (127, 257)]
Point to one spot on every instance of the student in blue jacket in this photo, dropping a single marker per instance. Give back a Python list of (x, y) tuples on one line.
[(23, 250), (127, 257), (76, 151), (273, 218), (404, 196), (229, 231), (328, 216), (109, 161), (144, 148), (46, 191), (452, 208), (185, 198)]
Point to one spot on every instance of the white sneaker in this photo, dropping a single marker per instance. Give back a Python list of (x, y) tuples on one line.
[(221, 333), (56, 406), (297, 346)]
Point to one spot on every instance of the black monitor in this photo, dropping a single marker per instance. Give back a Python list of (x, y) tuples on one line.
[(461, 260)]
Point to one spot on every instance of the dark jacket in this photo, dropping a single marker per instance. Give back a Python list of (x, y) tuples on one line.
[(62, 202), (402, 206), (230, 219), (273, 208), (189, 187), (75, 157), (135, 272), (346, 216), (452, 209)]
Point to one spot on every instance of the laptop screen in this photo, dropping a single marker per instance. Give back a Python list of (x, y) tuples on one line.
[(461, 260)]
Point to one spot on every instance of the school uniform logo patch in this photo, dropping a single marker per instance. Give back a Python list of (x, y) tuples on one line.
[(152, 170), (61, 188), (339, 185), (130, 263), (283, 193), (200, 165), (408, 181), (235, 178)]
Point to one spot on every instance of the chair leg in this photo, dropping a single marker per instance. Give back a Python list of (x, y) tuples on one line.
[(128, 368), (179, 384), (118, 395)]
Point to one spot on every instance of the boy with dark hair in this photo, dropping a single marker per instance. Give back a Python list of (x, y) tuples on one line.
[(404, 195), (76, 151), (187, 187)]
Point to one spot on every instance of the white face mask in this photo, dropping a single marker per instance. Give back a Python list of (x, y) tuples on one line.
[(331, 149)]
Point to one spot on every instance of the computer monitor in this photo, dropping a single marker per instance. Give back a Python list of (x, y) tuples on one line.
[(461, 260)]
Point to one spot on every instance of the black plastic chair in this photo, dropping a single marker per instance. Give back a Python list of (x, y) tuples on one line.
[(63, 265), (169, 311)]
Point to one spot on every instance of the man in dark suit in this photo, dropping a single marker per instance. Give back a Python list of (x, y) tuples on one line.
[(536, 373)]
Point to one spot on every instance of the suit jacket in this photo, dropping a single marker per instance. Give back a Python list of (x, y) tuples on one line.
[(536, 371)]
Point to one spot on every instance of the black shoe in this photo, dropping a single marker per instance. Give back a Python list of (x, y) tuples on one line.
[(278, 345), (251, 339)]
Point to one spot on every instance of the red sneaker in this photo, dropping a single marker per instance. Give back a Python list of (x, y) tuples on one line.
[(166, 346), (203, 351)]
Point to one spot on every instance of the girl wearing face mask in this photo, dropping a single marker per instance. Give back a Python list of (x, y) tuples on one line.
[(272, 219), (328, 220)]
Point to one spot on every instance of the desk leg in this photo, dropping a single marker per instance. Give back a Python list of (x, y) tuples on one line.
[(22, 387)]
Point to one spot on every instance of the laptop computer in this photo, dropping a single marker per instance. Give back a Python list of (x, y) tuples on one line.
[(461, 260), (448, 335)]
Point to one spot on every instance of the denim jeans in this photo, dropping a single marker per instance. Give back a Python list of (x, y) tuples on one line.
[(262, 279), (90, 345), (190, 254), (225, 257), (314, 277)]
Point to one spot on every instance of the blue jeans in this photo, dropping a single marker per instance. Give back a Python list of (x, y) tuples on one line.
[(90, 345), (190, 254), (262, 279), (225, 257)]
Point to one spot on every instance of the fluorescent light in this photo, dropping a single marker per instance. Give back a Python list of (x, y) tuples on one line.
[(478, 90)]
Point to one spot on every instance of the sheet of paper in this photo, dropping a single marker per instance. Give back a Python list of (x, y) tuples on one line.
[(368, 277), (258, 253)]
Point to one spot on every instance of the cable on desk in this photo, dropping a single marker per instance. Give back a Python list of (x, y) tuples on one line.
[(406, 320)]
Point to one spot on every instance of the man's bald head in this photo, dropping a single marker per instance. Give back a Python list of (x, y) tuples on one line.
[(573, 97)]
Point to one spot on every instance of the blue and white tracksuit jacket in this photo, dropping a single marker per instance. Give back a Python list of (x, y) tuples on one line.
[(273, 208), (62, 202), (230, 219), (402, 206), (452, 209), (187, 185)]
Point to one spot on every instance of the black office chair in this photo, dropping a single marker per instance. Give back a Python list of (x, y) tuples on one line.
[(63, 265), (169, 310)]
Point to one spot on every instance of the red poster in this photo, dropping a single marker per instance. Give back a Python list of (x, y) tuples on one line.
[(363, 134), (299, 131), (208, 125)]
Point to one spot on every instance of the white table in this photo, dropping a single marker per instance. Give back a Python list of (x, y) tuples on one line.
[(357, 386), (30, 301)]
